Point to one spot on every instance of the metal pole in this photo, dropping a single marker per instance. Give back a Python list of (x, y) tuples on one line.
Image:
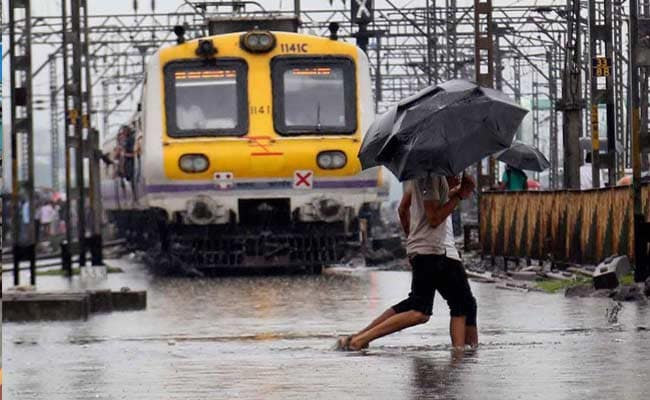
[(378, 96), (105, 111), (428, 22), (92, 151), (66, 247), (22, 130), (54, 124), (552, 97), (296, 8), (640, 247), (451, 48), (78, 127), (517, 86), (484, 59), (594, 98), (571, 98), (15, 187)]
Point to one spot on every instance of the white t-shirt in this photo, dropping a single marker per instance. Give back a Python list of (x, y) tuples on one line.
[(423, 238)]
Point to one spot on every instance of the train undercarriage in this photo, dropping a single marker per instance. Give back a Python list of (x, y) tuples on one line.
[(192, 249)]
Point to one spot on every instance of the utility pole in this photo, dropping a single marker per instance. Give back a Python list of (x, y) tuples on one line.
[(551, 56), (639, 70), (516, 67), (362, 15), (427, 16), (22, 131), (92, 152), (54, 124), (484, 68), (296, 8), (620, 103), (535, 110), (81, 139), (600, 28), (452, 47), (572, 103)]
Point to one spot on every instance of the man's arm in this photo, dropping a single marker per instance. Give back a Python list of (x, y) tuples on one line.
[(437, 212), (404, 213)]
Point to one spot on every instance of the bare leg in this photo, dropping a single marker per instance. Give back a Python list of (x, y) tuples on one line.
[(390, 325), (383, 317), (457, 331), (471, 336)]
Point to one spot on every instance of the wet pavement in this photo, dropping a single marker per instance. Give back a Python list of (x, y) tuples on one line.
[(271, 338)]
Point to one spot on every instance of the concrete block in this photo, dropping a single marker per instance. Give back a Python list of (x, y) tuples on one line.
[(22, 307), (101, 301), (127, 300), (605, 276)]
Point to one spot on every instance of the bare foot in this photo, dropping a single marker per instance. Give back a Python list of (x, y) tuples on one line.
[(356, 345)]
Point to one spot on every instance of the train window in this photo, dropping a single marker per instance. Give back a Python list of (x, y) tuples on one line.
[(206, 99), (314, 95)]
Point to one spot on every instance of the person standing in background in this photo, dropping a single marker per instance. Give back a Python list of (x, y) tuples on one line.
[(514, 179)]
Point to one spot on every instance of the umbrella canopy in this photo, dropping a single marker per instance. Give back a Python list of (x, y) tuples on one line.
[(441, 130), (375, 138), (523, 156)]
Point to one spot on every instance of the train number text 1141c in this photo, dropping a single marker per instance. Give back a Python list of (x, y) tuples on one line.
[(294, 47)]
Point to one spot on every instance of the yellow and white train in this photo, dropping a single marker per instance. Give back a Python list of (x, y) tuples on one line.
[(243, 153)]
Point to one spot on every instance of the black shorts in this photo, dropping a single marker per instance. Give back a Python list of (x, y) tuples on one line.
[(436, 272)]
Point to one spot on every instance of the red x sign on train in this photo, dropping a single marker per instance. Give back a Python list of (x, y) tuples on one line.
[(303, 179)]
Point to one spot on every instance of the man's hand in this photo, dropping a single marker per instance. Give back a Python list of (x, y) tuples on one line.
[(453, 181), (467, 186)]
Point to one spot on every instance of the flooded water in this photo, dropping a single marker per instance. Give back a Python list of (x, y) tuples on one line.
[(271, 338)]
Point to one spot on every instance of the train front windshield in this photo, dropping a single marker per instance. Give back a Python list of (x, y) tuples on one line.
[(314, 96), (206, 100)]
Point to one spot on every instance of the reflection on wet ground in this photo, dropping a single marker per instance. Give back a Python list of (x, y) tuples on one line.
[(271, 338)]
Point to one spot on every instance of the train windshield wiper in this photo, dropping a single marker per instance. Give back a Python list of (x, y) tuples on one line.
[(318, 124)]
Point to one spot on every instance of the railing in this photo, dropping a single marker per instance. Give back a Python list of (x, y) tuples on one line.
[(571, 226)]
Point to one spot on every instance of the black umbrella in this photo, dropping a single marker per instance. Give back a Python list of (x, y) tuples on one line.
[(442, 130), (523, 156), (376, 137)]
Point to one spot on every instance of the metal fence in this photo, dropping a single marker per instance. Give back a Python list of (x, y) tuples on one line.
[(571, 226)]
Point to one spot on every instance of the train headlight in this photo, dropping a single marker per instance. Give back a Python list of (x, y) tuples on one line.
[(257, 41), (331, 159), (193, 163)]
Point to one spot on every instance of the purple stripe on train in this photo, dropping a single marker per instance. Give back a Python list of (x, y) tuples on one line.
[(259, 186)]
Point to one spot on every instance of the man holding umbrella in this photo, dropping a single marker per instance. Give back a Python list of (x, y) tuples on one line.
[(424, 213), (438, 132)]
